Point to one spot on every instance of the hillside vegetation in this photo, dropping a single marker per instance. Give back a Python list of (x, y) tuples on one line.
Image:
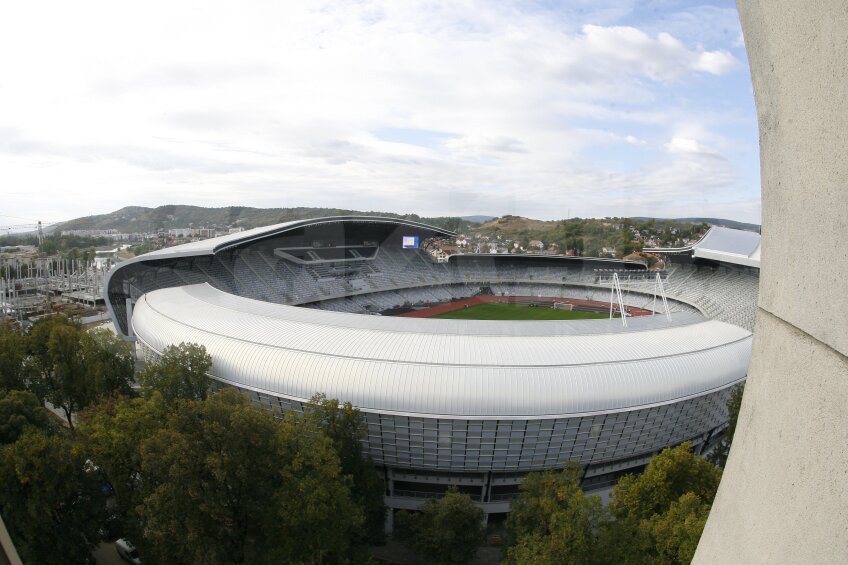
[(140, 219), (589, 236)]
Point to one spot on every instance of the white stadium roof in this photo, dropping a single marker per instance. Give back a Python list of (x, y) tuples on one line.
[(215, 244), (448, 368), (728, 245)]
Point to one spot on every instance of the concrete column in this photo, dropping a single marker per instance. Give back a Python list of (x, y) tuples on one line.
[(390, 481), (389, 525), (784, 495), (129, 306)]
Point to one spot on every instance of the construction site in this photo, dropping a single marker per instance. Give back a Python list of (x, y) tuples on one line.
[(33, 285)]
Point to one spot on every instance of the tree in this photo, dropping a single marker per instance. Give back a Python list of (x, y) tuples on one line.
[(181, 373), (553, 521), (317, 519), (111, 434), (240, 487), (345, 427), (722, 450), (208, 473), (13, 374), (66, 380), (670, 474), (53, 507), (660, 514), (109, 361), (447, 530), (678, 530), (20, 411), (77, 368), (39, 350)]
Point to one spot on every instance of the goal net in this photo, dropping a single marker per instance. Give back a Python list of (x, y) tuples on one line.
[(563, 306)]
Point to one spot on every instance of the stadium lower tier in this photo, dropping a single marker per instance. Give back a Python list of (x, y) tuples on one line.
[(402, 300)]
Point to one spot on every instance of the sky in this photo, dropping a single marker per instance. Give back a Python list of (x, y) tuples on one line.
[(543, 109)]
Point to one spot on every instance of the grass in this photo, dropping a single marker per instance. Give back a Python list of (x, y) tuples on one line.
[(506, 311)]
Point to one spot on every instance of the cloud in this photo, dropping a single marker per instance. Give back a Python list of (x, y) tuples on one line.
[(716, 62), (664, 58), (687, 146), (441, 108), (483, 146)]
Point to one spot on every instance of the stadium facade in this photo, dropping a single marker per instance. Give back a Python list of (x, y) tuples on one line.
[(294, 309)]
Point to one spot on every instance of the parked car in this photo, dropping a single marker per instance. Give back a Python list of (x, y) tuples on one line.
[(127, 551)]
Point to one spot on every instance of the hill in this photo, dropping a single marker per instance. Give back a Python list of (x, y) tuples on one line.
[(478, 219), (140, 219), (711, 221), (593, 237), (724, 223)]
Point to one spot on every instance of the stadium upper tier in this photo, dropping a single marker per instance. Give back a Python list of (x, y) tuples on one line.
[(313, 263)]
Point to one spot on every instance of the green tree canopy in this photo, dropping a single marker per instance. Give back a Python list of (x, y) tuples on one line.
[(678, 530), (20, 411), (345, 427), (13, 351), (218, 481), (67, 385), (447, 530), (317, 518), (734, 404), (661, 513), (553, 521), (39, 349), (209, 473), (670, 475), (53, 507), (181, 373), (111, 433), (110, 362), (76, 367)]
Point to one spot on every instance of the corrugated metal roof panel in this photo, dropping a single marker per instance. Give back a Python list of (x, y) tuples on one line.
[(727, 240), (387, 364)]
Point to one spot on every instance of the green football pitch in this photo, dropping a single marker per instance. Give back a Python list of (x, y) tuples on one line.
[(505, 311)]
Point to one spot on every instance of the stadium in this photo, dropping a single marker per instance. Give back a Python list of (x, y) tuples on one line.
[(356, 308)]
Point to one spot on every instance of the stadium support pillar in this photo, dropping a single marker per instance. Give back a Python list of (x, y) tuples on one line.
[(389, 525), (129, 317), (784, 495)]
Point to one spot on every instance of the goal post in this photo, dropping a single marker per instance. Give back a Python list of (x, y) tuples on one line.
[(563, 306)]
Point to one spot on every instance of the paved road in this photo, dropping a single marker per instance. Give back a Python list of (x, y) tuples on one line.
[(106, 555)]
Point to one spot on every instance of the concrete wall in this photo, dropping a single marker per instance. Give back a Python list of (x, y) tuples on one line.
[(784, 496)]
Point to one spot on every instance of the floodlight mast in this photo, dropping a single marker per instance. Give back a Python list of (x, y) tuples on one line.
[(615, 292), (658, 286)]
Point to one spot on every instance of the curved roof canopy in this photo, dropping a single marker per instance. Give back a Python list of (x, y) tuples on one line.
[(447, 368), (739, 247), (207, 247), (215, 244)]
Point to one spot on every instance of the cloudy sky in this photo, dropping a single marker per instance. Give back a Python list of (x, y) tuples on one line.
[(543, 109)]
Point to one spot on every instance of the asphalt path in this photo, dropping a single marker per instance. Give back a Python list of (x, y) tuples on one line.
[(106, 554)]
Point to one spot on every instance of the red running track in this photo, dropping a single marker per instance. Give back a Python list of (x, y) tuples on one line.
[(475, 300)]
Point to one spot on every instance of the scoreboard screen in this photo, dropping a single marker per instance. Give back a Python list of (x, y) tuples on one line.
[(411, 242)]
